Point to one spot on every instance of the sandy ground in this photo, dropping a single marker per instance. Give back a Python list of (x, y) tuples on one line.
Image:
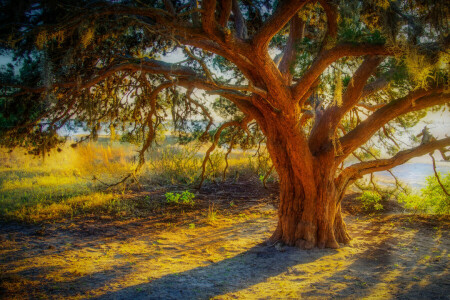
[(183, 254)]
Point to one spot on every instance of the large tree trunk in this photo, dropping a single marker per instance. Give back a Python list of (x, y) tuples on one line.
[(309, 213)]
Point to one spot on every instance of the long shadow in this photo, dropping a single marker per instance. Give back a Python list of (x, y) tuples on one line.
[(229, 275), (381, 259), (50, 288)]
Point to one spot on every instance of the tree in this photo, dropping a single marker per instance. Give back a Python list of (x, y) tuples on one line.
[(320, 80)]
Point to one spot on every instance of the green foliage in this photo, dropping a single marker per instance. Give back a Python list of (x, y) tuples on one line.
[(431, 199), (185, 197), (355, 35), (224, 108), (19, 109), (371, 201), (134, 138), (305, 56)]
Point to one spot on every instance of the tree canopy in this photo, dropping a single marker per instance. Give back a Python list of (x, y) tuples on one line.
[(317, 81)]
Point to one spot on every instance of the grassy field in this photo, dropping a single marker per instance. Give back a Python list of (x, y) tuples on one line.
[(73, 182)]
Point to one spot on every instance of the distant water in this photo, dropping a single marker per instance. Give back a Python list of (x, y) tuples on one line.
[(414, 174)]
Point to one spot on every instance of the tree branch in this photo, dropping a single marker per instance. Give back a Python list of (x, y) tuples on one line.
[(169, 6), (195, 15), (327, 57), (208, 21), (357, 170), (296, 27), (204, 110), (146, 66), (331, 12), (373, 87), (416, 100), (370, 107), (285, 11), (356, 85), (332, 116), (437, 175), (242, 124), (239, 21), (225, 11)]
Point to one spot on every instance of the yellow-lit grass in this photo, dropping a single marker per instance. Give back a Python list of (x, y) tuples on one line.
[(33, 189), (174, 164), (98, 203), (97, 159)]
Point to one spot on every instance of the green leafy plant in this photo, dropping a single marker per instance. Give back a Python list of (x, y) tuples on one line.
[(431, 199), (185, 197), (371, 201)]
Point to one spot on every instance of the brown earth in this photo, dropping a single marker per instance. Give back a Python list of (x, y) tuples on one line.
[(178, 252)]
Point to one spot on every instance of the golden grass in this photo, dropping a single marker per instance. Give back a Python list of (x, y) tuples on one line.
[(68, 183), (61, 186)]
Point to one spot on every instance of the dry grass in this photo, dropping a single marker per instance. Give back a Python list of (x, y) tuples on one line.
[(70, 183), (61, 186)]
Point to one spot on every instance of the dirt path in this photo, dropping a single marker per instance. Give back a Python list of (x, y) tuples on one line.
[(391, 257)]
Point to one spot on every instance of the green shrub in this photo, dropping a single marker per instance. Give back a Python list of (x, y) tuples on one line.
[(431, 199), (371, 201), (184, 198)]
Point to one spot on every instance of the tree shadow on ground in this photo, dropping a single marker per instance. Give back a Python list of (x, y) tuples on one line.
[(230, 275), (382, 250), (392, 268)]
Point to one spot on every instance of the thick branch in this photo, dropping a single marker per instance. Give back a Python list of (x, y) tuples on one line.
[(327, 57), (331, 12), (195, 15), (239, 21), (169, 6), (355, 88), (374, 87), (225, 11), (296, 27), (208, 21), (285, 11), (357, 170), (326, 125), (371, 107), (416, 100)]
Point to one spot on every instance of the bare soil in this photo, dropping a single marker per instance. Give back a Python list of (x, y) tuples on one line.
[(179, 252)]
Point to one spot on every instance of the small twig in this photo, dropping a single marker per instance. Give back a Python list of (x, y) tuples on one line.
[(437, 175), (216, 137), (267, 176), (230, 148), (397, 182)]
